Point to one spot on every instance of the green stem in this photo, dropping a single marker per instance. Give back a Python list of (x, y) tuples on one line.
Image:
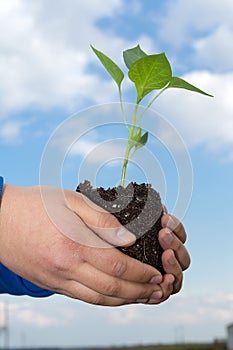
[(150, 103), (126, 160), (129, 146), (122, 110), (135, 120)]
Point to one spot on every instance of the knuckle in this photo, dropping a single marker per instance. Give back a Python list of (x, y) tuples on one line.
[(59, 264), (104, 220), (178, 246), (145, 275), (113, 289), (119, 267), (144, 293), (61, 255)]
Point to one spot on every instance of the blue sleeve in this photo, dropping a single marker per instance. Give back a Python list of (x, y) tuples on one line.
[(11, 283)]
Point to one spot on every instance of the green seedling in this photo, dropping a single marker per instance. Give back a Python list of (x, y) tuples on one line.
[(148, 73)]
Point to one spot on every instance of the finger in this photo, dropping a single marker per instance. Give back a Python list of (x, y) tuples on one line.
[(174, 225), (78, 291), (167, 288), (168, 240), (111, 286), (172, 266), (100, 221), (164, 209), (117, 264)]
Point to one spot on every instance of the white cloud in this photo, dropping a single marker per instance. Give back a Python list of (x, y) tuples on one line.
[(44, 61), (10, 131), (183, 20), (29, 317), (39, 312), (83, 147), (215, 50), (203, 120), (28, 314), (203, 29), (204, 317), (99, 152), (189, 310)]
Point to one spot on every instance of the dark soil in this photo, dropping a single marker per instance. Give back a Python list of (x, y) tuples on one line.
[(138, 207)]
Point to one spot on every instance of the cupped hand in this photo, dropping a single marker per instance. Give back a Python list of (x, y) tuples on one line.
[(175, 258), (64, 244)]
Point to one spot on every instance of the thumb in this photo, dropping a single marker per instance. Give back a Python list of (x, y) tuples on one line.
[(101, 222)]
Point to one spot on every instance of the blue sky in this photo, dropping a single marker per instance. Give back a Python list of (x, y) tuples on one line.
[(48, 73)]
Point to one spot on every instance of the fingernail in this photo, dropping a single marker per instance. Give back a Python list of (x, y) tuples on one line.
[(156, 295), (156, 279), (168, 237), (172, 260), (125, 236)]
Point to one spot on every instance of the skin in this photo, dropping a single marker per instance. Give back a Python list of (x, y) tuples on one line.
[(70, 249)]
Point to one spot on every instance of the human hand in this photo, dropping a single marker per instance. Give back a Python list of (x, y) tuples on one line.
[(60, 242), (175, 258)]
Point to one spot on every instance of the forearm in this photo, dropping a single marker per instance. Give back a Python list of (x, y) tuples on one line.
[(10, 282)]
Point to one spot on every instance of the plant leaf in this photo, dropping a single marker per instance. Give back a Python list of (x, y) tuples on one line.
[(182, 84), (132, 55), (144, 139), (152, 72), (110, 66), (142, 142)]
